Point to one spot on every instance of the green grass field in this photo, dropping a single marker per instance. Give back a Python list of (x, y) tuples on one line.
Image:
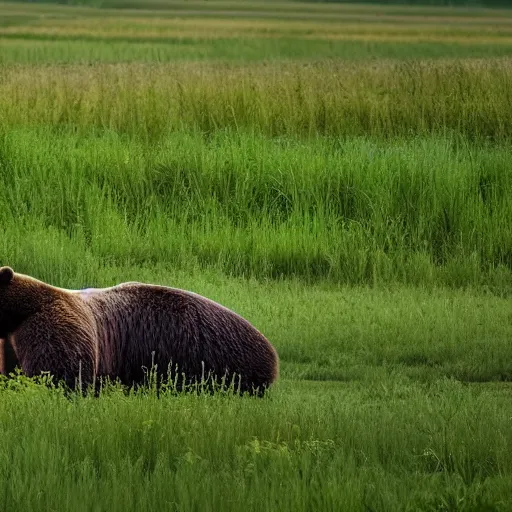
[(339, 174)]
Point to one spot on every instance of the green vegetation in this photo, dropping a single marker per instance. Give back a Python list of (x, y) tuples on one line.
[(424, 211), (340, 175), (240, 31), (288, 5), (300, 101), (383, 445), (66, 51)]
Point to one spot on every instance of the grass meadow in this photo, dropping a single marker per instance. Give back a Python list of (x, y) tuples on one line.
[(339, 174)]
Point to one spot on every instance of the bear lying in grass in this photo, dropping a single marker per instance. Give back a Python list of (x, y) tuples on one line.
[(122, 331)]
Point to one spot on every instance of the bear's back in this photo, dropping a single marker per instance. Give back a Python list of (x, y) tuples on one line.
[(139, 325)]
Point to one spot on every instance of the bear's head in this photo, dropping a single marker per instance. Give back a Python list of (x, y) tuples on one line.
[(6, 275), (18, 299)]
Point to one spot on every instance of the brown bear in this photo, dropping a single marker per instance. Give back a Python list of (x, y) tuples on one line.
[(123, 331)]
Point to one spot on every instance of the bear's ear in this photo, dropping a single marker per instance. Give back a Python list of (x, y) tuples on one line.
[(6, 275)]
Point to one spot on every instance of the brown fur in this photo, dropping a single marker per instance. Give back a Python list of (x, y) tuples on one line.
[(119, 332), (8, 360)]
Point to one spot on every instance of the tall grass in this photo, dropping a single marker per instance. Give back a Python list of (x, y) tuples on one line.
[(358, 212), (382, 100)]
